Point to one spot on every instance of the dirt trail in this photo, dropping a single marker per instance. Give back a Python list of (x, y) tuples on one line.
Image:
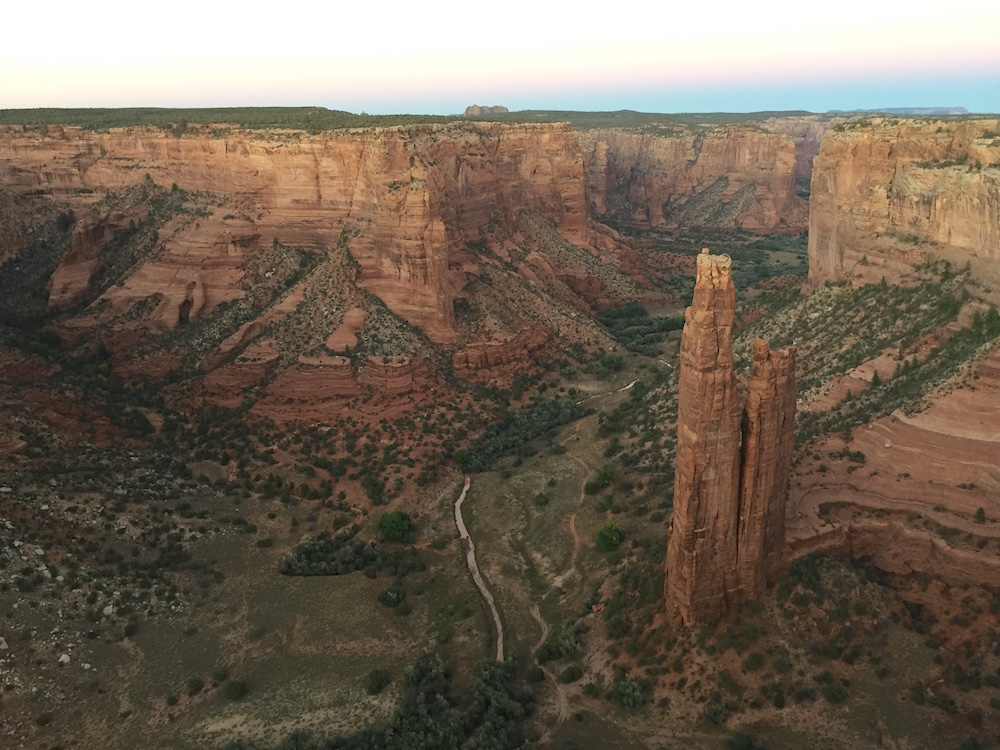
[(565, 575), (470, 557), (562, 702)]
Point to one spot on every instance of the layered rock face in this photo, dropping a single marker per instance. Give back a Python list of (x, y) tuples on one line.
[(889, 193), (732, 464), (734, 176), (405, 200)]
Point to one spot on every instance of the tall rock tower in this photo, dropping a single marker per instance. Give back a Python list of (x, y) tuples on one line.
[(733, 459)]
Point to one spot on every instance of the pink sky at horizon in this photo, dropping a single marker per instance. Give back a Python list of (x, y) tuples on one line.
[(188, 53)]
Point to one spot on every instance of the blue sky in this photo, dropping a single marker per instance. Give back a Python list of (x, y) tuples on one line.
[(439, 56)]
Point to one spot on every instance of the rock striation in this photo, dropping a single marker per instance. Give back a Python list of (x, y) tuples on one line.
[(733, 459), (889, 193)]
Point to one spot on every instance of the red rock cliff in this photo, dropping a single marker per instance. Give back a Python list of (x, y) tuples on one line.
[(730, 480), (732, 176), (406, 200), (887, 193)]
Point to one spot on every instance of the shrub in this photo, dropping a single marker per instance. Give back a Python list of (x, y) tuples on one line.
[(628, 693), (572, 673), (716, 713), (612, 362), (609, 536), (392, 596), (753, 662), (377, 681), (834, 692), (195, 685), (740, 741), (236, 690)]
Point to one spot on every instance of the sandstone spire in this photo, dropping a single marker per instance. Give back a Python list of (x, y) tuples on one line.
[(701, 552), (768, 433), (732, 464)]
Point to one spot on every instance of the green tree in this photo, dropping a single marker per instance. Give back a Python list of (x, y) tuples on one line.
[(609, 536), (396, 525)]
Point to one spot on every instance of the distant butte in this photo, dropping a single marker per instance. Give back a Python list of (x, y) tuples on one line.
[(727, 535), (476, 111)]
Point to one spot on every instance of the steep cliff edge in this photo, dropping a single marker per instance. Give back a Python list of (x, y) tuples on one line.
[(889, 193), (732, 177), (733, 459), (404, 200)]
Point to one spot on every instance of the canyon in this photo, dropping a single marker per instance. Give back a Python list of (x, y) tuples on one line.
[(232, 344), (733, 459)]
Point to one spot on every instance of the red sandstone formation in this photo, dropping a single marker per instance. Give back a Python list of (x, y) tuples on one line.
[(405, 200), (889, 193), (518, 348), (766, 457), (727, 530), (701, 551), (71, 279), (639, 176)]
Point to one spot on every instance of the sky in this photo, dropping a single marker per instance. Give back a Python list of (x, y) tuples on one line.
[(439, 56)]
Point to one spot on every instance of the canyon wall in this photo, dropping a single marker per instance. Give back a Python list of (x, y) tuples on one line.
[(807, 134), (889, 193), (405, 200), (734, 176), (732, 462)]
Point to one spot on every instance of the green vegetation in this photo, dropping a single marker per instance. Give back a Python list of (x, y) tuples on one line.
[(180, 121), (821, 326), (377, 681), (488, 713), (396, 526), (342, 554), (609, 536), (636, 330), (517, 428)]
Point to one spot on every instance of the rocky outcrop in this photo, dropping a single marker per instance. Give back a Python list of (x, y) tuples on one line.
[(405, 201), (733, 176), (889, 193), (71, 280), (496, 353), (475, 110), (732, 464)]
